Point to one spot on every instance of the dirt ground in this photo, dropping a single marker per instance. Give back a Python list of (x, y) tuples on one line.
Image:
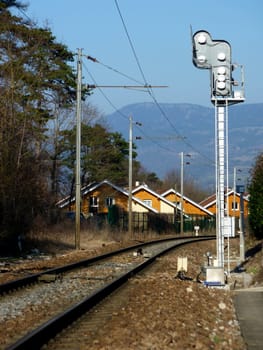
[(174, 313)]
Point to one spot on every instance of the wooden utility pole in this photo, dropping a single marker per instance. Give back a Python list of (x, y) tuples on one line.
[(78, 142), (182, 194), (130, 179)]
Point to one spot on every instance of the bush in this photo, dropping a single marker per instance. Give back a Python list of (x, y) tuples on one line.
[(256, 198)]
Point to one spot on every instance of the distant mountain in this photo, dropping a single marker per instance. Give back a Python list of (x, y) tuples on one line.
[(168, 129)]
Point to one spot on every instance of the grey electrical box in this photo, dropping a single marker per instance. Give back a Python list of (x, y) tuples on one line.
[(215, 276)]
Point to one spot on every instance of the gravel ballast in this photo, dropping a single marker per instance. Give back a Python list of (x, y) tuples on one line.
[(160, 311)]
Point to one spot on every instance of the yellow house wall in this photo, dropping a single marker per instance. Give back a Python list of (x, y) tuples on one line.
[(232, 212), (166, 208), (189, 208), (212, 208), (237, 212), (157, 204), (144, 195), (138, 208), (102, 193)]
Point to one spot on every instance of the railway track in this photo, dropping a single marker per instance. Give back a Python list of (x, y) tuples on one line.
[(36, 277), (107, 273)]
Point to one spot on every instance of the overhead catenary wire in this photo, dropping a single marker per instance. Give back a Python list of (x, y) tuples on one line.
[(147, 87), (130, 41), (141, 70), (122, 114), (150, 91), (113, 69), (179, 136), (141, 86)]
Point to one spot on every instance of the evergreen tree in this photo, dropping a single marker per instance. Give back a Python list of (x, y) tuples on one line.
[(35, 76), (256, 198), (104, 155), (6, 4)]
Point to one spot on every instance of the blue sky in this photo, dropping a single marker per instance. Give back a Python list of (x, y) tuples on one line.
[(160, 33)]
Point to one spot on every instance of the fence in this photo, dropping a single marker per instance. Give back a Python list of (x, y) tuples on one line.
[(159, 223)]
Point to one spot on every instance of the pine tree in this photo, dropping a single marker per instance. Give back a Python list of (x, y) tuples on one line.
[(35, 78), (104, 155)]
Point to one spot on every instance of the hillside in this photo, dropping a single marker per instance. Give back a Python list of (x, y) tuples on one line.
[(170, 129)]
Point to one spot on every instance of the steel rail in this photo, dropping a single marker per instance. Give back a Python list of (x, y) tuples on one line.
[(31, 279), (41, 335)]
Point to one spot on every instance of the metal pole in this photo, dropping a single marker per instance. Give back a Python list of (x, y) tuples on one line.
[(226, 155), (78, 141), (227, 198), (130, 179), (242, 228), (182, 194), (220, 178)]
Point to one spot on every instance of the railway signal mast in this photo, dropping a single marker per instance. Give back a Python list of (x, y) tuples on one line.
[(215, 55)]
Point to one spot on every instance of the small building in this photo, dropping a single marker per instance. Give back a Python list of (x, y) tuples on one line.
[(232, 203), (155, 200), (97, 198), (190, 207), (169, 204)]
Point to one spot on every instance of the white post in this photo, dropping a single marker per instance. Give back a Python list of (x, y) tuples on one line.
[(220, 183)]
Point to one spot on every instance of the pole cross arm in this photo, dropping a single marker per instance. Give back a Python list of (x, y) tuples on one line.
[(92, 86)]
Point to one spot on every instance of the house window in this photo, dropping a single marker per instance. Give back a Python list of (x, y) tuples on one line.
[(235, 206), (93, 201), (109, 201), (93, 204), (148, 202)]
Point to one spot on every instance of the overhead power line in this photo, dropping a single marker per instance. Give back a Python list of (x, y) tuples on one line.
[(122, 114), (150, 90), (130, 41), (113, 69)]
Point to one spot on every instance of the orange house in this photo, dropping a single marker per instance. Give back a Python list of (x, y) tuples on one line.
[(190, 207), (96, 198), (232, 204), (155, 200)]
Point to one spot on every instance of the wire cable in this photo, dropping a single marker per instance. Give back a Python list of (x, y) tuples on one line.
[(114, 70), (123, 115), (141, 70), (151, 91), (131, 44), (147, 137)]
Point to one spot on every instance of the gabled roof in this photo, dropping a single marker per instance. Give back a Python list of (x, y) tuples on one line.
[(211, 200), (208, 200), (157, 195), (199, 206), (95, 185)]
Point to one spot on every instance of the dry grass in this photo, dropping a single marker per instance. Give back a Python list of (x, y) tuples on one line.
[(61, 238)]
